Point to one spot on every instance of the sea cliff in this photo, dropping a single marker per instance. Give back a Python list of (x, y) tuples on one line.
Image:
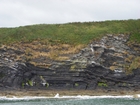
[(110, 63)]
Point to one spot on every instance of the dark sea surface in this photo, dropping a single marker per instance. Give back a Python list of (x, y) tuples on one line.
[(73, 101)]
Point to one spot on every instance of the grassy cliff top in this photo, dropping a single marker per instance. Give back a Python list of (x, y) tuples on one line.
[(70, 33)]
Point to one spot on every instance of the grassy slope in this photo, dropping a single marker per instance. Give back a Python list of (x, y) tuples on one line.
[(65, 39), (70, 33)]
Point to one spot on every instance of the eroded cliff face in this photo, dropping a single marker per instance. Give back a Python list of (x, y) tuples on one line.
[(109, 63)]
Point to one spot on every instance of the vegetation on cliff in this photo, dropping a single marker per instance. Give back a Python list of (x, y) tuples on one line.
[(60, 41), (70, 33)]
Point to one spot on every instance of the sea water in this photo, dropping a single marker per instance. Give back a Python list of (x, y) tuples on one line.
[(71, 100)]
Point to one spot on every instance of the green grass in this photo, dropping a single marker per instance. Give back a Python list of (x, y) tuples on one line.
[(102, 84), (135, 37), (70, 33)]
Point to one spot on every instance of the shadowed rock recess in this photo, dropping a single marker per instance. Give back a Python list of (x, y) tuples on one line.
[(104, 64)]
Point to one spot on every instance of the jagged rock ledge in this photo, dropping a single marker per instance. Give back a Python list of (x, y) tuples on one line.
[(104, 64)]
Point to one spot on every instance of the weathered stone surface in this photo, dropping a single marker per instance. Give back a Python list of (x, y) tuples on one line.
[(102, 64)]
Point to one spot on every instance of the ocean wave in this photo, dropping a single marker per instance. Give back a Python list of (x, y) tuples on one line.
[(21, 98), (67, 97)]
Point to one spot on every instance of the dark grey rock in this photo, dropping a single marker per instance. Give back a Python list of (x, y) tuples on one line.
[(89, 69)]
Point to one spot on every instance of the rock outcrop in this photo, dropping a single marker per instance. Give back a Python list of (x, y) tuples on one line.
[(109, 63)]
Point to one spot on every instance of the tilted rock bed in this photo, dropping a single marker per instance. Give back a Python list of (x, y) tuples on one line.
[(103, 64)]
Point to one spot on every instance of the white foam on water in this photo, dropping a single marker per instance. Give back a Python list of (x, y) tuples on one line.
[(67, 97), (93, 97), (21, 98)]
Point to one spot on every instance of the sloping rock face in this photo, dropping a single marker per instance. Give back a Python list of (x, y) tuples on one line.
[(104, 64)]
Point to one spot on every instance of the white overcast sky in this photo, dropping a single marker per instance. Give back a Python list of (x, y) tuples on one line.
[(15, 13)]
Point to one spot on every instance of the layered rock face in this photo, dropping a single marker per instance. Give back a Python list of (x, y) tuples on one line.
[(108, 63)]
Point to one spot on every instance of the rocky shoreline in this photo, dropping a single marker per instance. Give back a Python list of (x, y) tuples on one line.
[(53, 93), (106, 64)]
